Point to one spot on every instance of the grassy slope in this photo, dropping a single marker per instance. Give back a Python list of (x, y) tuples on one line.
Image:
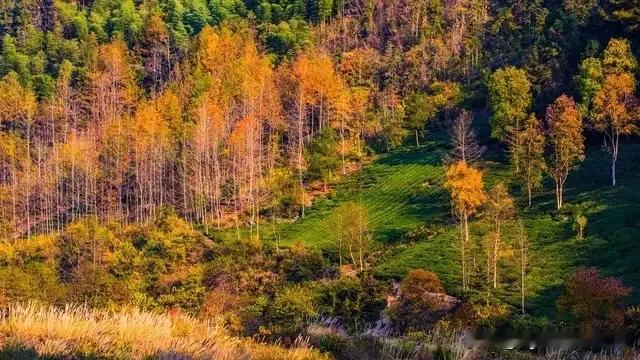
[(398, 191), (403, 190)]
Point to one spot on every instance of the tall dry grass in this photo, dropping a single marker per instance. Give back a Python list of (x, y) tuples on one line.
[(77, 331)]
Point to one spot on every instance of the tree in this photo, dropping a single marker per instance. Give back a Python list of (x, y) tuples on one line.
[(417, 113), (523, 251), (421, 108), (350, 223), (616, 113), (466, 188), (499, 209), (618, 57), (626, 12), (531, 154), (596, 301), (565, 141), (581, 9), (464, 140), (510, 99), (151, 146), (589, 80), (322, 156), (17, 111)]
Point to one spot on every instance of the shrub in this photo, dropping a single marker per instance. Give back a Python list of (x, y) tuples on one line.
[(289, 312), (595, 301), (355, 302), (579, 225), (301, 263), (422, 302), (632, 323), (419, 281)]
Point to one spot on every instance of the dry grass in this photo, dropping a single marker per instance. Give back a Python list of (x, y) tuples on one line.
[(79, 331)]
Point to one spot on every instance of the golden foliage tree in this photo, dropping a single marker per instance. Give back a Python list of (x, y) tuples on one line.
[(615, 113), (466, 187), (531, 155), (565, 141)]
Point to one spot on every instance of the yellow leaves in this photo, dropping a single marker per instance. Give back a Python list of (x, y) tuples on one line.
[(17, 103), (618, 57), (316, 78), (151, 130), (500, 205), (565, 133), (114, 87), (13, 148), (239, 77), (466, 187), (217, 51), (77, 152), (243, 132), (359, 65), (615, 105)]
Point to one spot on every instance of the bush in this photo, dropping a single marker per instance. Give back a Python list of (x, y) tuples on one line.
[(422, 302), (419, 281), (355, 302), (594, 301), (289, 312), (579, 225), (301, 263)]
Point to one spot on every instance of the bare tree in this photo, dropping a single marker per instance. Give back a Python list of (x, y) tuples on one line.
[(464, 140)]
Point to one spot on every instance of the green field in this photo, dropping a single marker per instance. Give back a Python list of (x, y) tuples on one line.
[(400, 191), (403, 190)]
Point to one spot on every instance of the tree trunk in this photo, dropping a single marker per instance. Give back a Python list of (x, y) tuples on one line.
[(614, 157), (558, 194), (496, 243), (465, 221)]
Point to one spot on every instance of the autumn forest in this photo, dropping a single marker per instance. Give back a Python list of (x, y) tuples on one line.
[(348, 179)]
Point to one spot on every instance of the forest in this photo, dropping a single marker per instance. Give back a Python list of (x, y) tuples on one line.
[(348, 179)]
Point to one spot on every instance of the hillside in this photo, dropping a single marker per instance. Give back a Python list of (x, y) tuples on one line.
[(378, 179), (403, 191), (399, 191)]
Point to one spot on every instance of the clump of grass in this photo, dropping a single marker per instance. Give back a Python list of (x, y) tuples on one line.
[(77, 331)]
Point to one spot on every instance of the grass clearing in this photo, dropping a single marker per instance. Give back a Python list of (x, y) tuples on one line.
[(400, 190)]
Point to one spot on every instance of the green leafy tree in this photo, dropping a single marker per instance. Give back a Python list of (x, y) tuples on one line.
[(323, 159), (421, 108), (417, 112), (510, 100), (285, 39), (589, 80), (618, 57), (350, 222)]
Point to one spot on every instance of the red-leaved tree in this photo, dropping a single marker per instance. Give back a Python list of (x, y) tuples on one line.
[(596, 301)]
